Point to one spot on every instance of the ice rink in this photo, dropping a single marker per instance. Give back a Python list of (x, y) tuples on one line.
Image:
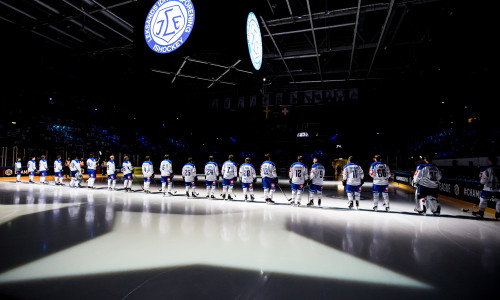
[(67, 243)]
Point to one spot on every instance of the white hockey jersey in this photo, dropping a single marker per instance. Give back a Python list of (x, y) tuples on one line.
[(189, 172), (298, 173), (380, 173), (247, 173), (317, 174), (58, 166), (490, 177), (166, 168), (229, 170), (18, 166), (42, 165), (110, 167), (75, 166), (353, 174), (31, 166), (147, 168), (427, 175), (268, 169), (127, 167), (91, 164), (211, 171)]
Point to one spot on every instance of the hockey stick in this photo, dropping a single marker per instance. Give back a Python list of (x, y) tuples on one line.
[(288, 199)]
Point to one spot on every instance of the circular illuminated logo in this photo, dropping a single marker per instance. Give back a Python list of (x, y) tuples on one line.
[(168, 25), (254, 40)]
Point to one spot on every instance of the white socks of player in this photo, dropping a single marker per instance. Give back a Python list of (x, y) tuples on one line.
[(127, 184), (31, 177), (296, 194), (18, 178), (91, 182), (146, 186), (111, 184), (163, 185), (42, 179)]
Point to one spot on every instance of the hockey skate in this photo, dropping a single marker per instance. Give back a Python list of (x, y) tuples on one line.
[(310, 203), (437, 212), (319, 202), (357, 204), (497, 215), (194, 194), (229, 198), (350, 204), (252, 198), (375, 208), (187, 194), (480, 214), (212, 197), (387, 209), (269, 201), (421, 211), (246, 198)]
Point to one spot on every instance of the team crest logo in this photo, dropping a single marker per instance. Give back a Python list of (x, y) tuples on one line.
[(254, 41), (168, 25)]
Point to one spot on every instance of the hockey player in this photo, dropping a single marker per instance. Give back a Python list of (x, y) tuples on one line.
[(91, 170), (166, 174), (380, 173), (31, 169), (42, 165), (298, 175), (211, 176), (426, 179), (229, 174), (127, 170), (248, 177), (316, 181), (58, 168), (269, 178), (189, 176), (76, 172), (353, 179), (490, 178), (18, 168), (110, 170), (147, 172)]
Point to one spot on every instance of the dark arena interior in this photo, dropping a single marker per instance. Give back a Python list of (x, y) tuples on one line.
[(321, 86)]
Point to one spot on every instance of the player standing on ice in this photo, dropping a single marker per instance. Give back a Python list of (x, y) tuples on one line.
[(353, 181), (110, 170), (18, 168), (490, 178), (147, 172), (43, 169), (91, 170), (166, 175), (127, 170), (248, 178), (269, 178), (58, 168), (316, 179), (229, 174), (298, 176), (380, 173), (211, 176), (31, 169), (76, 172), (426, 179), (189, 176)]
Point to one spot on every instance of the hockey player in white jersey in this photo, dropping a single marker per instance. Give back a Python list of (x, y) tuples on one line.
[(58, 169), (380, 173), (316, 181), (43, 167), (166, 175), (353, 179), (91, 170), (426, 179), (229, 174), (31, 169), (190, 178), (489, 177), (18, 168), (269, 178), (298, 175), (211, 176), (127, 170), (148, 173), (248, 177), (111, 171), (76, 172)]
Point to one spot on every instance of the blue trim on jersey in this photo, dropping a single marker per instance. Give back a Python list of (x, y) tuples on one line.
[(317, 165), (298, 163), (31, 173), (350, 164), (247, 164), (228, 181), (315, 187), (92, 173), (353, 188), (58, 174), (165, 179), (268, 183), (211, 163), (18, 172), (268, 162), (297, 187), (147, 179), (211, 182), (247, 185), (374, 164), (420, 167), (43, 173), (189, 164), (127, 176), (380, 188), (112, 176), (190, 183)]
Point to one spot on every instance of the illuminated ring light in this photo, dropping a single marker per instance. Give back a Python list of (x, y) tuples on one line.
[(254, 41), (168, 25)]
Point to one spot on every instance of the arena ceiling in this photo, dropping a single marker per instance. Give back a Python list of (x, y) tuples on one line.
[(306, 43)]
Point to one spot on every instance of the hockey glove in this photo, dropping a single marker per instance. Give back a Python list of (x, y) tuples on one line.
[(344, 182), (276, 180), (195, 178), (362, 181), (290, 180), (255, 180)]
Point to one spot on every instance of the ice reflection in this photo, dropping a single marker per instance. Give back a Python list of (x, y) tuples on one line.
[(146, 215)]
